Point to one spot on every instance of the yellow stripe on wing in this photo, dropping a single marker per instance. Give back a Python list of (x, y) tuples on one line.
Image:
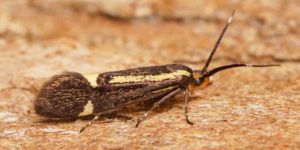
[(88, 109), (92, 78), (140, 78)]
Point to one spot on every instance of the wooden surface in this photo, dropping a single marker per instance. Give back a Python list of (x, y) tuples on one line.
[(242, 109)]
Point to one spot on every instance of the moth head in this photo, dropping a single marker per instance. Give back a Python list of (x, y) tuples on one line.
[(63, 96), (199, 79)]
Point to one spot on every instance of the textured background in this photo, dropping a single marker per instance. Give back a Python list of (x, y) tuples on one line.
[(242, 108)]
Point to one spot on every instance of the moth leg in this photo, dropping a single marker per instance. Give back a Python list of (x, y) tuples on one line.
[(89, 123), (123, 116), (186, 100), (141, 119)]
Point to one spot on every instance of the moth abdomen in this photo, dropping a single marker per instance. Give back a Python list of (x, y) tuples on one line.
[(65, 96)]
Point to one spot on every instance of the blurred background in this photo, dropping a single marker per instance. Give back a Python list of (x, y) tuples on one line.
[(243, 108)]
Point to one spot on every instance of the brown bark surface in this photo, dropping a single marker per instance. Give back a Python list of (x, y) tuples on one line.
[(245, 108)]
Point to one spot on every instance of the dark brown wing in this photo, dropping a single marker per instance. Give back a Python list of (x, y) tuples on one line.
[(138, 85)]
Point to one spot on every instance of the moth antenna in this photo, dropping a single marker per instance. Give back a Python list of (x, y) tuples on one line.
[(213, 71), (229, 20)]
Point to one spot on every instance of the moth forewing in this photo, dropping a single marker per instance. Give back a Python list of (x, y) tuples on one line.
[(63, 96), (146, 86), (144, 75)]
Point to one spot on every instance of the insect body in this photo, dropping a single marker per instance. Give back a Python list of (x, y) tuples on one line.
[(72, 95)]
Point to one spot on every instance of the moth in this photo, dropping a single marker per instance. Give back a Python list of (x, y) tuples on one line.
[(72, 95)]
